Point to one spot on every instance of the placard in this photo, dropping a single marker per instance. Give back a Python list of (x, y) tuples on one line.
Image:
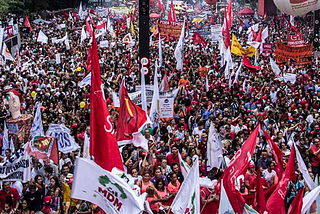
[(173, 29), (166, 107)]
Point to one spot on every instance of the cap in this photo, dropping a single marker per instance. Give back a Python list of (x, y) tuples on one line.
[(47, 199), (251, 164)]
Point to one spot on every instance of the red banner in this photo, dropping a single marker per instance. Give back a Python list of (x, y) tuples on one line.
[(295, 39), (173, 29), (297, 54)]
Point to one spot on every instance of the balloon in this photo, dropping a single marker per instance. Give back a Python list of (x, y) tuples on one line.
[(89, 111), (295, 7), (79, 69), (33, 93), (317, 7), (82, 104)]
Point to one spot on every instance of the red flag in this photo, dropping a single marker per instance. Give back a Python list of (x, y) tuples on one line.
[(131, 121), (230, 16), (259, 36), (76, 15), (65, 14), (164, 83), (260, 201), (197, 38), (233, 174), (26, 23), (265, 17), (161, 6), (43, 148), (103, 143), (276, 203), (253, 33), (226, 31), (277, 153), (89, 28), (246, 62), (296, 204), (89, 60), (172, 14), (128, 66)]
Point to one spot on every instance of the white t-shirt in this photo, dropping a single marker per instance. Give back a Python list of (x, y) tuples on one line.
[(267, 175)]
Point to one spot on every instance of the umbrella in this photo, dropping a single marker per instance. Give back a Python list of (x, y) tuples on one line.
[(154, 15), (246, 11)]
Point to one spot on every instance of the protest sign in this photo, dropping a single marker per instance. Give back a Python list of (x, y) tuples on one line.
[(66, 142), (166, 107), (173, 29), (267, 49), (295, 39), (296, 54), (216, 32)]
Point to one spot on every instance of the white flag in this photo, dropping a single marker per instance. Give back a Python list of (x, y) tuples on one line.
[(179, 48), (42, 37), (12, 148), (214, 149), (58, 59), (309, 199), (70, 16), (207, 84), (110, 28), (185, 168), (86, 146), (303, 169), (154, 110), (5, 140), (80, 11), (66, 41), (6, 53), (316, 184), (275, 67), (37, 127), (83, 35), (86, 81), (143, 92), (160, 51), (237, 74), (188, 198), (265, 34), (112, 194), (225, 206)]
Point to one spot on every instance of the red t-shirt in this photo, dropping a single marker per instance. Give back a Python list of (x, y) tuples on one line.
[(172, 159), (210, 208), (13, 193), (315, 160), (249, 177)]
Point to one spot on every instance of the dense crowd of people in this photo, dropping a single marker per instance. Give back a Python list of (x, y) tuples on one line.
[(289, 112)]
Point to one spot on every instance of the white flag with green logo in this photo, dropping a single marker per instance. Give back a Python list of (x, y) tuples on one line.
[(188, 198), (185, 168), (110, 192)]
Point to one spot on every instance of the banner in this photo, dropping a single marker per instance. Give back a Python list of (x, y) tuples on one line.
[(296, 54), (104, 44), (17, 168), (216, 32), (173, 29), (166, 107), (66, 142), (110, 192), (295, 39), (267, 49)]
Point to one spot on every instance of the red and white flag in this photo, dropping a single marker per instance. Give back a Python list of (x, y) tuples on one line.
[(6, 53), (226, 31), (164, 83), (172, 13), (43, 148), (131, 121), (233, 176), (276, 202), (103, 143), (230, 16), (26, 23), (296, 204)]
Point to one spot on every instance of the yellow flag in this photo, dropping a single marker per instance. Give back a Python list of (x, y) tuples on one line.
[(132, 29), (238, 50), (236, 46)]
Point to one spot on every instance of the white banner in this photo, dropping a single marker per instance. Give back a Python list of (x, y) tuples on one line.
[(17, 168), (1, 38), (58, 59), (166, 107), (104, 44), (216, 32), (112, 194), (66, 142)]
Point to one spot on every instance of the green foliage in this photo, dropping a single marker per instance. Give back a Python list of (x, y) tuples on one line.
[(12, 6)]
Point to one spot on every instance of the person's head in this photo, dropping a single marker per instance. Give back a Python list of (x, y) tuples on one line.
[(134, 172), (270, 166), (150, 191), (54, 182), (174, 167), (164, 162), (24, 204), (8, 204), (174, 177), (264, 154), (147, 133), (160, 184), (146, 176), (316, 141), (158, 172), (174, 150), (32, 188), (8, 153), (38, 179), (65, 169), (6, 186), (13, 99), (48, 171)]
